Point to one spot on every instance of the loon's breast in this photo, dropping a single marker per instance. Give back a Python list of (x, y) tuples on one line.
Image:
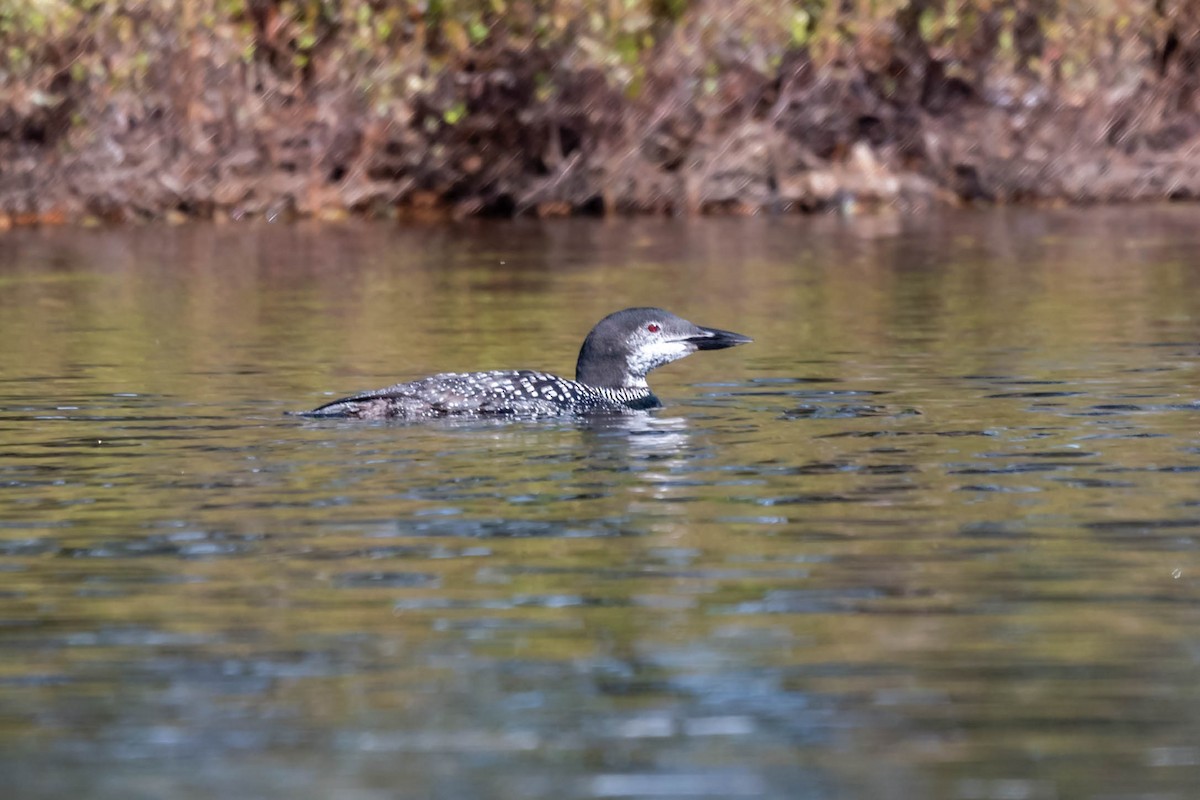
[(501, 392)]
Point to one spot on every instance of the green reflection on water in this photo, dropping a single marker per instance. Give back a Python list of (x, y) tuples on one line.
[(934, 530)]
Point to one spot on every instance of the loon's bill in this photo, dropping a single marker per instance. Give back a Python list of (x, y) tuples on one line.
[(610, 376), (717, 339)]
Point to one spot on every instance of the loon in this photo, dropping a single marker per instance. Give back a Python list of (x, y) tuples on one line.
[(610, 376)]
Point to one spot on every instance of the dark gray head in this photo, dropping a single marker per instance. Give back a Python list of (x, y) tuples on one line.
[(626, 345)]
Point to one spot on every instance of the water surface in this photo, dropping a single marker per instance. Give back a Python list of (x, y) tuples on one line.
[(934, 534)]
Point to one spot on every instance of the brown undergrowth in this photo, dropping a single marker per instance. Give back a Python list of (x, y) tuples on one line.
[(227, 109)]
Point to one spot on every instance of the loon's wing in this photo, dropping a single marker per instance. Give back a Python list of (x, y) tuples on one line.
[(497, 392)]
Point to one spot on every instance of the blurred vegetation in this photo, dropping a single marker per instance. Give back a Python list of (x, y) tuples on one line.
[(119, 109)]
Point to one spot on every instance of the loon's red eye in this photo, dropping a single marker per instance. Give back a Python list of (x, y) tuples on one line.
[(653, 327)]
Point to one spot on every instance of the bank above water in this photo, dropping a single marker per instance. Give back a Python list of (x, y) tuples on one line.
[(228, 109)]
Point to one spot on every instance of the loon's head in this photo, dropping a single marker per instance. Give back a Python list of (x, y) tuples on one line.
[(626, 345)]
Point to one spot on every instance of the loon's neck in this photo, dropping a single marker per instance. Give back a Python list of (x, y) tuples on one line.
[(615, 378), (606, 367)]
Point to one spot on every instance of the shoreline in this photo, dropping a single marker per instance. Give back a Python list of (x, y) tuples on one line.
[(254, 111)]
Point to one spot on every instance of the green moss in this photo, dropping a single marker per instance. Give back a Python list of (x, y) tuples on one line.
[(454, 114)]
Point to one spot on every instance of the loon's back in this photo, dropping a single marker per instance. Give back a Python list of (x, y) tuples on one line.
[(610, 376), (523, 392)]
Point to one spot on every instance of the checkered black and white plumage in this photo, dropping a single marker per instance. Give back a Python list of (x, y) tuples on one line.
[(610, 376), (521, 392)]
